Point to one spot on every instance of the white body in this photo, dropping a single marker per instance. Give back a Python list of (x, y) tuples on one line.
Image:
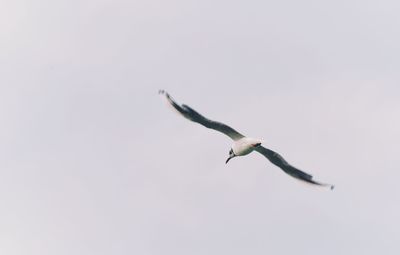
[(244, 146)]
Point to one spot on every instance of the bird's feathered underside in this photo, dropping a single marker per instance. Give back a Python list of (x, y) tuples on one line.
[(279, 161), (192, 115), (272, 156)]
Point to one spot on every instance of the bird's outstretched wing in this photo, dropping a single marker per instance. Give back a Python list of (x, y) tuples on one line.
[(279, 161), (192, 115)]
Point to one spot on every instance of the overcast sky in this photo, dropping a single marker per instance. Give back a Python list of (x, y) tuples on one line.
[(93, 162)]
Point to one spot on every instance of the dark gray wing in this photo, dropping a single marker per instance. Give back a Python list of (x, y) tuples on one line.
[(192, 115), (279, 161)]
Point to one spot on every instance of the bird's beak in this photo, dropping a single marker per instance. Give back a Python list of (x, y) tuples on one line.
[(226, 162)]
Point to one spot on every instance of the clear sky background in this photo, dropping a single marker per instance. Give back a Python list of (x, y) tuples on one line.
[(93, 162)]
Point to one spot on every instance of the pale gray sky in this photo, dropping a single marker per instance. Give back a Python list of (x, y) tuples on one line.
[(93, 162)]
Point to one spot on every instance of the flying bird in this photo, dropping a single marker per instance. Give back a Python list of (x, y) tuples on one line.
[(242, 145)]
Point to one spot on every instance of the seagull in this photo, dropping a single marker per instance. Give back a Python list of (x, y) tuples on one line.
[(242, 145)]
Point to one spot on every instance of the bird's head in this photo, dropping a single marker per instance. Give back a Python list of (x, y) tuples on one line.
[(231, 155)]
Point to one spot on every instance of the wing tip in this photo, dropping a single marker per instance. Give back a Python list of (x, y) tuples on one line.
[(164, 93), (327, 185), (330, 186)]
